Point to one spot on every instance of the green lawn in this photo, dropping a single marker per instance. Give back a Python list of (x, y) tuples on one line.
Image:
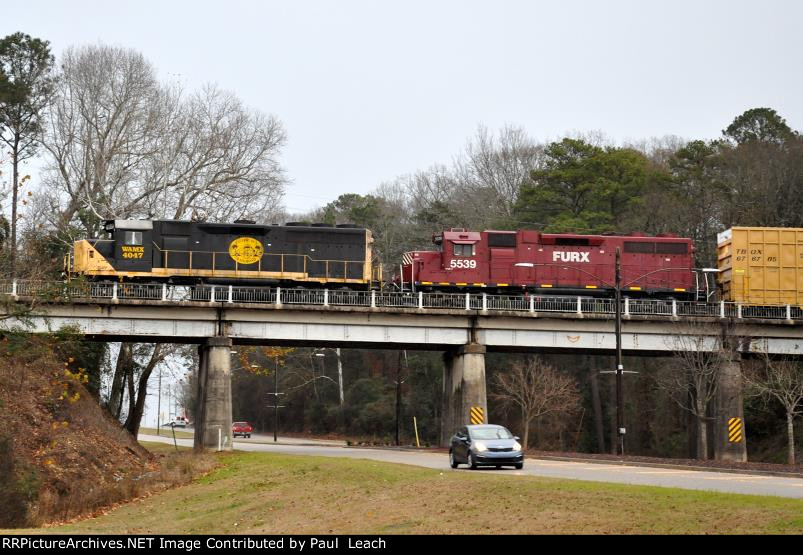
[(261, 493), (181, 433), (162, 448)]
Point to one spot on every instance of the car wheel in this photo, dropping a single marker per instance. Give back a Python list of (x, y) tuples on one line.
[(498, 467), (472, 464), (519, 466), (452, 461), (248, 436)]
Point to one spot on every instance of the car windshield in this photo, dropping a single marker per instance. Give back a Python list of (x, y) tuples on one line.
[(490, 433), (240, 424)]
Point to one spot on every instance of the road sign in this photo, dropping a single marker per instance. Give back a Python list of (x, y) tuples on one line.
[(735, 432), (477, 415)]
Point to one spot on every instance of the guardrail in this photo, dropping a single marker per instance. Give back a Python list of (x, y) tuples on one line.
[(62, 292)]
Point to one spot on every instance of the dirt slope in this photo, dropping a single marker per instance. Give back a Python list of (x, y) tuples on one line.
[(60, 453)]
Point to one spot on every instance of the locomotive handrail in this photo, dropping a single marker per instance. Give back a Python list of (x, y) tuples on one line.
[(305, 259), (263, 254), (565, 267), (480, 302), (650, 273), (597, 278)]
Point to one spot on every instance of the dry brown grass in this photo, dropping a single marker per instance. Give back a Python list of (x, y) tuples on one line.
[(260, 493), (62, 455)]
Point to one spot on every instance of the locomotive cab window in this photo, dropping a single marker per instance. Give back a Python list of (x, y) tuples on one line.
[(463, 250), (133, 238)]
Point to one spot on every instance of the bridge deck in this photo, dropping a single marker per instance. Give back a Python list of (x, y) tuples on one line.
[(419, 321)]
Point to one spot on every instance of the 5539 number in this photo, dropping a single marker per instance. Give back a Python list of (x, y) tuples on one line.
[(457, 263)]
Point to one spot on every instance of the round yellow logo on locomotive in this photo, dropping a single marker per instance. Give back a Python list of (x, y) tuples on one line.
[(246, 250)]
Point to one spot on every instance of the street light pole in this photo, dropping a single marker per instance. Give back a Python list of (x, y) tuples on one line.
[(276, 405), (276, 400), (620, 426), (398, 397), (619, 371), (159, 404)]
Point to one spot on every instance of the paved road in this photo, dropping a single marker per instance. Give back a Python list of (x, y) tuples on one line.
[(595, 472), (256, 438)]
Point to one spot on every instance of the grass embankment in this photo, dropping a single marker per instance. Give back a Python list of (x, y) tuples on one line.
[(61, 454), (181, 433), (261, 493)]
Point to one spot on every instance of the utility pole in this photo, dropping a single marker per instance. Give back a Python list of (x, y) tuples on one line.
[(398, 382), (620, 371), (276, 405), (620, 418), (398, 398), (159, 404), (276, 402)]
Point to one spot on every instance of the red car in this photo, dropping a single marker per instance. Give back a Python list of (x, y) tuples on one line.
[(242, 429)]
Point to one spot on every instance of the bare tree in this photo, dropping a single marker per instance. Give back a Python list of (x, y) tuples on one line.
[(123, 145), (492, 170), (658, 149), (780, 380), (479, 189), (500, 164), (690, 380), (136, 396), (123, 367), (107, 109), (535, 388), (217, 158)]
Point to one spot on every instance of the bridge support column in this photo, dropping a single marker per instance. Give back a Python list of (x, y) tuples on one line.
[(463, 388), (730, 439), (213, 411)]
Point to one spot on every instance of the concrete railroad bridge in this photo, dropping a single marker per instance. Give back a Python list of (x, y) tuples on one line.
[(465, 326)]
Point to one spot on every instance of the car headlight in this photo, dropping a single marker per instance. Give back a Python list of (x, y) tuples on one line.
[(480, 446), (517, 446)]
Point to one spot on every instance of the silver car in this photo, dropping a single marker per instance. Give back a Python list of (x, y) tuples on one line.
[(485, 445)]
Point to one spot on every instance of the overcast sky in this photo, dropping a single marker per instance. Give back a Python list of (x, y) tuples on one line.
[(372, 90)]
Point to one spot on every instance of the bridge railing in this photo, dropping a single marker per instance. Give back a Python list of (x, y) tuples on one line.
[(138, 291), (250, 295), (454, 301), (345, 298), (52, 291), (556, 304), (396, 300)]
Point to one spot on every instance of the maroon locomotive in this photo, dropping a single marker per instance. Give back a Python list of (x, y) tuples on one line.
[(548, 263)]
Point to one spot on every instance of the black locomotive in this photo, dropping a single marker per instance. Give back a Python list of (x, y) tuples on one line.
[(185, 252)]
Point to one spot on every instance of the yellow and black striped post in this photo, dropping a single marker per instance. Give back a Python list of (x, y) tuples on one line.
[(735, 430), (477, 415)]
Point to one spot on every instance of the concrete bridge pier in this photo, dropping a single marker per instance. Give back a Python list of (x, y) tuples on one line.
[(463, 388), (213, 412), (729, 437)]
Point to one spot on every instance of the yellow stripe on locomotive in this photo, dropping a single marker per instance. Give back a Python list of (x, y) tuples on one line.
[(231, 253)]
